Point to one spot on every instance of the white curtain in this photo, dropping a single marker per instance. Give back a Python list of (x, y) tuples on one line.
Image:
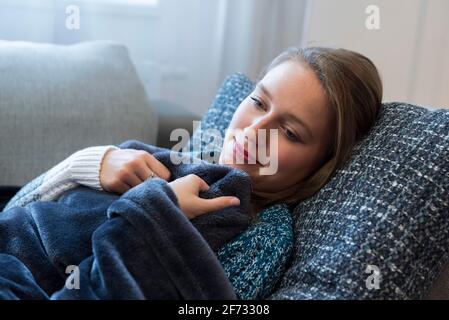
[(183, 49)]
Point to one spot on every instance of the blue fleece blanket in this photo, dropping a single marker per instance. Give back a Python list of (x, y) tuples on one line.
[(137, 246)]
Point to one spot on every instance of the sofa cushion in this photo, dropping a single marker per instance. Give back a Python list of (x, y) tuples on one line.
[(386, 212), (385, 215), (55, 100)]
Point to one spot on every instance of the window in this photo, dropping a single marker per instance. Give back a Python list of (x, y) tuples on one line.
[(143, 8), (151, 3)]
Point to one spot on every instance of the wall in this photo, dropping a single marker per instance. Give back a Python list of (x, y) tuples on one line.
[(411, 49), (183, 49)]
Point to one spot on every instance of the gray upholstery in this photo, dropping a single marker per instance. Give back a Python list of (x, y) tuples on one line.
[(55, 100)]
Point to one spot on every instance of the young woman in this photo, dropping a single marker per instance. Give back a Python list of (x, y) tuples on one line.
[(322, 101)]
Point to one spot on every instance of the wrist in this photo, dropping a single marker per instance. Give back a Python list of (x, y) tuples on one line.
[(85, 166)]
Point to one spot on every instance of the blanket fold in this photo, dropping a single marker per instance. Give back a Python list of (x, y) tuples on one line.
[(137, 246)]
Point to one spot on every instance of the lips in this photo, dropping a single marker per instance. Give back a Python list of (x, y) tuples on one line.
[(238, 149)]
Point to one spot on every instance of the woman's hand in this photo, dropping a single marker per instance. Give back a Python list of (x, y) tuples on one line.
[(124, 169), (187, 191)]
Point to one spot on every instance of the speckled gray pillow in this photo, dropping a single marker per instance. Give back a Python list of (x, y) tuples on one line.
[(385, 213), (386, 210)]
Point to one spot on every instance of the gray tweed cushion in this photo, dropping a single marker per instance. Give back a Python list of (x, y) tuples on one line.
[(386, 210)]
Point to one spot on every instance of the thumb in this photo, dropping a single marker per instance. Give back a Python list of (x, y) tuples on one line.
[(202, 185), (219, 203)]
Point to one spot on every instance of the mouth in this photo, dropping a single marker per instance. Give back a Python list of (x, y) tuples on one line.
[(240, 150)]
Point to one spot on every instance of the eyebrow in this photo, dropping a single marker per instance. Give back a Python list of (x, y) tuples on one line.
[(264, 90), (288, 115)]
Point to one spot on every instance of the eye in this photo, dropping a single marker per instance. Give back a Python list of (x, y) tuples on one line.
[(258, 103), (291, 135)]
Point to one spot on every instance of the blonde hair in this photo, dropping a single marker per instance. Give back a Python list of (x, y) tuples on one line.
[(354, 91)]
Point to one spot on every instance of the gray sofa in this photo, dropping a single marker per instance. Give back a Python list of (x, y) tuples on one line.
[(58, 99), (55, 100)]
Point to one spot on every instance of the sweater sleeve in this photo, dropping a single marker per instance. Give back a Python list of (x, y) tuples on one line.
[(81, 168)]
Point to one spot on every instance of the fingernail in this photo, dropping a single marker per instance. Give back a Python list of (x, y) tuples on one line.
[(235, 202)]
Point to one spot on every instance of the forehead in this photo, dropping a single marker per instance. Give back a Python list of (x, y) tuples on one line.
[(294, 88)]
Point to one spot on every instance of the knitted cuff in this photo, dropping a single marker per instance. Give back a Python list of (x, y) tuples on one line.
[(85, 166)]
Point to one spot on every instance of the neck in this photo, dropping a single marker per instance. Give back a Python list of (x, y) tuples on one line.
[(262, 198)]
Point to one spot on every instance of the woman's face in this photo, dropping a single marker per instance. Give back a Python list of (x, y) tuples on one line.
[(291, 100)]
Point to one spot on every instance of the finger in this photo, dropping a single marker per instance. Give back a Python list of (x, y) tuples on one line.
[(143, 172), (209, 205), (202, 185), (157, 167), (120, 188), (132, 180)]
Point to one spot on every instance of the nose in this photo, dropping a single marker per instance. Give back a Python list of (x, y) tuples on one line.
[(252, 131)]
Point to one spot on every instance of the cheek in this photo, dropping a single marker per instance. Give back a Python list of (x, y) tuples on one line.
[(288, 159), (241, 117), (293, 160), (298, 163)]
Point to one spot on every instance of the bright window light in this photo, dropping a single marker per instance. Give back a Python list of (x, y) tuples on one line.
[(129, 2)]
